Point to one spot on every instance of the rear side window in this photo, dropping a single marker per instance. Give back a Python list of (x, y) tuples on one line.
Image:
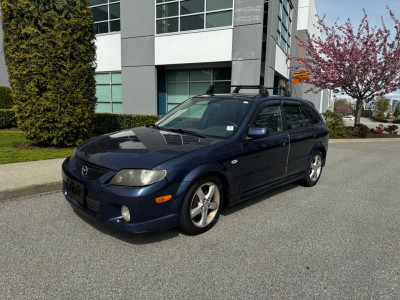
[(310, 116), (294, 117), (269, 117)]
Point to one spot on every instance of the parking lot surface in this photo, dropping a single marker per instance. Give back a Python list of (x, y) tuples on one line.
[(337, 240)]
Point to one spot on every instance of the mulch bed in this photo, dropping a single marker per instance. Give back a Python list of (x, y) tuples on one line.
[(33, 146), (10, 129), (370, 136)]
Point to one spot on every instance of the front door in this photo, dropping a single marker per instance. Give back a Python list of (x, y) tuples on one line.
[(265, 159)]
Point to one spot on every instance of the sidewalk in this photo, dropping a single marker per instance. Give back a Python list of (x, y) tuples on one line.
[(29, 178)]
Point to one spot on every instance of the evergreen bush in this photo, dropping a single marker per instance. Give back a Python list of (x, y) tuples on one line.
[(7, 119), (335, 124), (6, 101), (49, 51)]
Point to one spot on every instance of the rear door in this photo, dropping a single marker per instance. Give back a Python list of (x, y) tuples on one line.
[(302, 136), (264, 159)]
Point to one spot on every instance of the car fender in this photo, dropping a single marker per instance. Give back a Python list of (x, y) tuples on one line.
[(316, 147), (195, 174)]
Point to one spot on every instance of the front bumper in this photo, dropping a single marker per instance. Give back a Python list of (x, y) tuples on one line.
[(102, 202)]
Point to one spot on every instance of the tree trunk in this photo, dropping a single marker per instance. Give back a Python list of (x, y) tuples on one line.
[(359, 105)]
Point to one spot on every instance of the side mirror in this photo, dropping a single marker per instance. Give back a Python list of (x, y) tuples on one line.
[(257, 132)]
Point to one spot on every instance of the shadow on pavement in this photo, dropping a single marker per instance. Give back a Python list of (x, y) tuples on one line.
[(158, 236), (254, 200)]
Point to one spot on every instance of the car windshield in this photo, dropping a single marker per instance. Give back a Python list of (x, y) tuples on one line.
[(214, 117)]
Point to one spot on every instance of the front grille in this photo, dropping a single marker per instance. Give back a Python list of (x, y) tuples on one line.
[(92, 171), (93, 204)]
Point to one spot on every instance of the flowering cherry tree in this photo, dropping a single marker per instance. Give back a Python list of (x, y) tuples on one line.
[(342, 107), (362, 63)]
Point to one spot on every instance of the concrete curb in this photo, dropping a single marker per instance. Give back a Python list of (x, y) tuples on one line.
[(30, 190), (377, 140)]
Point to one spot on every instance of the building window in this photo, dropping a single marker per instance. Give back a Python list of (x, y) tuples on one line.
[(285, 17), (185, 15), (185, 83), (109, 92), (106, 15)]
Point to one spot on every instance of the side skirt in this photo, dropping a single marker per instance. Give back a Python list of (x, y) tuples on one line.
[(235, 199)]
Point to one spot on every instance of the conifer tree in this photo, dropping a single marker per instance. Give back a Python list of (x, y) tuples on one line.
[(50, 52)]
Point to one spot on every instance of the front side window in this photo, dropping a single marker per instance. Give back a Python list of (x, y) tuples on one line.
[(109, 92), (106, 15), (269, 117), (215, 117), (185, 15)]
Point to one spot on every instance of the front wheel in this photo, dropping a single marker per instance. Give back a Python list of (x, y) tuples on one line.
[(201, 207), (314, 170)]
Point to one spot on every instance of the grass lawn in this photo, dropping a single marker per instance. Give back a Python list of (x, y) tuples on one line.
[(9, 154)]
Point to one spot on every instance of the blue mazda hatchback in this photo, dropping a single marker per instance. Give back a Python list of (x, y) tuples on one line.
[(210, 151)]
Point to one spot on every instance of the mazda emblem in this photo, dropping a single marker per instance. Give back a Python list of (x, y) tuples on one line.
[(84, 170)]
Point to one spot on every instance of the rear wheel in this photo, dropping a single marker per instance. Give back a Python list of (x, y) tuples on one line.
[(314, 170), (201, 206)]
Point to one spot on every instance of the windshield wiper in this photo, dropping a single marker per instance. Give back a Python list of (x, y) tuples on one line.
[(180, 130), (153, 125)]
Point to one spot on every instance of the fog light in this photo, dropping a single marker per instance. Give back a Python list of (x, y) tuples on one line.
[(125, 213)]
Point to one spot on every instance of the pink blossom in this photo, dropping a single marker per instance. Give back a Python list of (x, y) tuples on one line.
[(363, 63)]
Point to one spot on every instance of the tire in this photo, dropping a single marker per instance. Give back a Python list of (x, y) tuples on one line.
[(201, 206), (314, 170)]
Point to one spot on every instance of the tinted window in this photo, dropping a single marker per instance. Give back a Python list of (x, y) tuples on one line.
[(217, 117), (310, 115), (294, 118), (269, 117)]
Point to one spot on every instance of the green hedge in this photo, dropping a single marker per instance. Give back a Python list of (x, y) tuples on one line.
[(396, 121), (378, 119), (7, 118), (105, 123), (6, 100)]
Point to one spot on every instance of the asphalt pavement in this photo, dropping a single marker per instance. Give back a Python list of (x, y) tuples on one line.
[(337, 240)]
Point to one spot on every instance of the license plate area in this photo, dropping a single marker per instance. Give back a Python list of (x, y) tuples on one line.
[(76, 191)]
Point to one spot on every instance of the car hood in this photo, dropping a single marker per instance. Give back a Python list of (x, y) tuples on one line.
[(141, 147)]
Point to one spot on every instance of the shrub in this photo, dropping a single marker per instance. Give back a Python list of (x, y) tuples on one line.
[(50, 52), (397, 121), (105, 123), (391, 129), (335, 124), (6, 100), (362, 130), (7, 119), (378, 119)]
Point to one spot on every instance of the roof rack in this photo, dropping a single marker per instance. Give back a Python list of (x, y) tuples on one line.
[(263, 91)]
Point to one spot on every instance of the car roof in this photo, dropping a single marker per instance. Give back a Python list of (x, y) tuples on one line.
[(254, 97), (262, 95)]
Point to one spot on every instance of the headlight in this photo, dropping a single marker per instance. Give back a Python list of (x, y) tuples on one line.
[(138, 177)]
